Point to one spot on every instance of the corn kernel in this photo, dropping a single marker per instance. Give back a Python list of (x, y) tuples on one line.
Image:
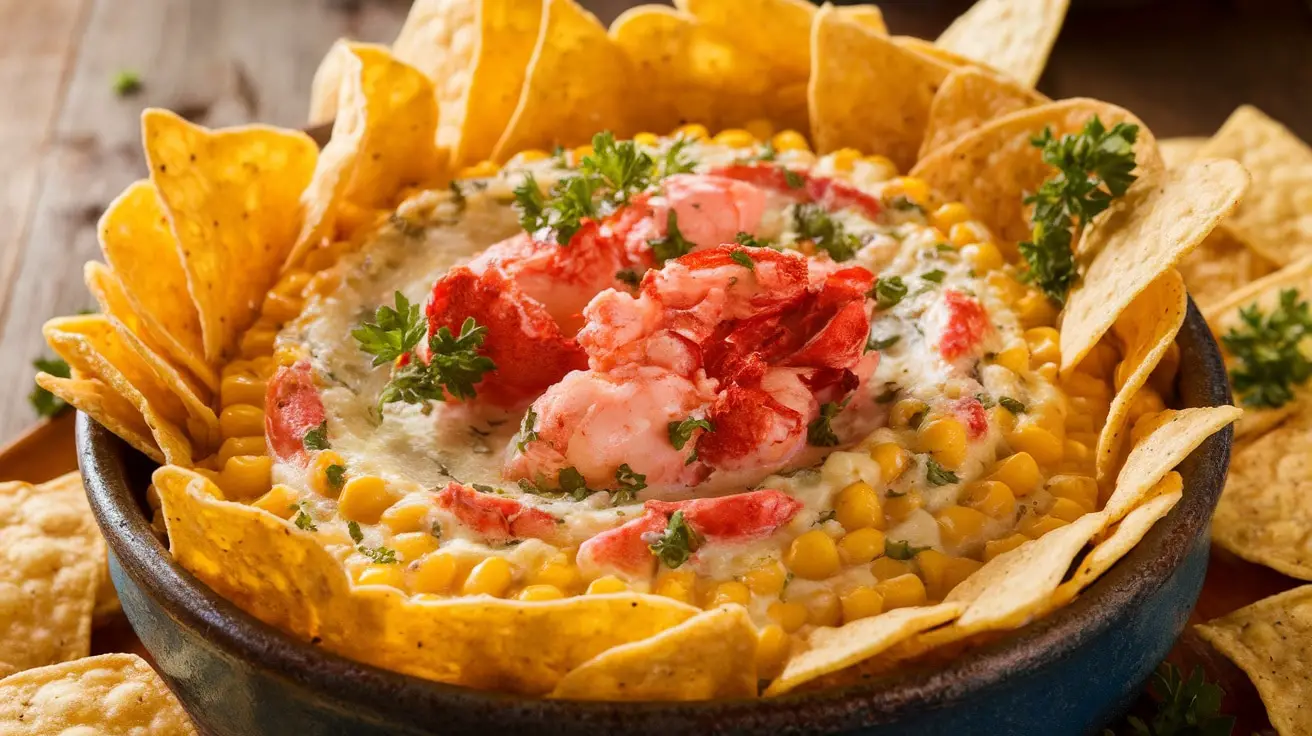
[(692, 131), (365, 498), (491, 577), (963, 234), (995, 547), (813, 556), (760, 128), (943, 572), (898, 508), (945, 439), (861, 602), (886, 167), (407, 517), (860, 546), (960, 525), (857, 507), (772, 648), (912, 188), (845, 159), (728, 592), (1020, 472), (1145, 401), (824, 609), (281, 308), (983, 256), (540, 593), (436, 573), (292, 283), (677, 584), (1009, 289), (790, 140), (531, 155), (391, 575), (1042, 445), (902, 591), (1066, 510), (767, 578), (323, 460), (413, 545), (258, 341), (241, 420), (234, 446), (607, 584), (949, 214), (1015, 358), (790, 616), (907, 413), (480, 170), (893, 460), (246, 476), (734, 138), (558, 574), (278, 501), (1036, 310), (1100, 362), (646, 139), (240, 388), (886, 568), (1080, 489), (992, 497), (1036, 526)]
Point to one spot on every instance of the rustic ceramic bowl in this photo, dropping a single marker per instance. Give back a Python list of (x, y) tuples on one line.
[(1068, 673)]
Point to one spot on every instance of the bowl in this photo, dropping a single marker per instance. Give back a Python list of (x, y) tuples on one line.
[(1068, 673)]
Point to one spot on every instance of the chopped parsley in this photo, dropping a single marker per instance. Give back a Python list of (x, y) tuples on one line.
[(1189, 707), (628, 276), (454, 364), (1093, 167), (621, 168), (629, 483), (674, 163), (813, 223), (888, 291), (317, 438), (748, 240), (380, 555), (528, 429), (904, 204), (126, 82), (336, 476), (934, 277), (673, 244), (768, 152), (436, 529), (303, 520), (824, 516), (529, 199), (820, 432), (937, 475), (681, 432), (395, 331), (45, 403), (677, 543), (1270, 362), (793, 179), (1011, 405), (483, 488), (571, 481), (900, 549), (744, 260), (882, 343), (985, 401)]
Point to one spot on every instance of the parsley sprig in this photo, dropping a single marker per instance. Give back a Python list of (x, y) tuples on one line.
[(820, 432), (677, 543), (1267, 347), (813, 223), (45, 403), (1189, 707), (1093, 167), (380, 555)]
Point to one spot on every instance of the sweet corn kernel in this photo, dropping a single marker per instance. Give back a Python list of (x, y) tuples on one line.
[(677, 584), (902, 591), (436, 573), (1082, 384), (1081, 489), (240, 388), (933, 568), (960, 525), (323, 460), (1036, 526), (995, 547), (963, 234), (885, 165), (861, 602), (860, 546), (292, 283), (993, 497), (1039, 443), (772, 648), (1044, 344), (813, 556), (907, 413), (1066, 509), (365, 498), (1036, 310), (790, 140), (646, 139), (241, 420), (1009, 289), (1145, 401), (767, 578), (407, 517), (1075, 454), (912, 188), (845, 159), (790, 615), (886, 568), (728, 592), (278, 501), (558, 574), (531, 155), (258, 341), (1015, 358), (540, 593), (760, 128), (607, 584), (234, 446), (734, 138), (824, 609), (240, 368), (281, 308), (898, 508), (491, 577), (857, 507), (692, 131), (1020, 472), (949, 214), (957, 570), (480, 170), (413, 545), (983, 256), (893, 460), (391, 575), (1100, 362), (945, 439), (246, 476)]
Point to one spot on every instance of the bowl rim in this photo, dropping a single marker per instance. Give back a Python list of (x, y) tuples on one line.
[(104, 460)]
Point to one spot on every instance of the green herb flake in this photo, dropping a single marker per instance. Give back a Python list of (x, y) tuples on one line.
[(813, 223), (674, 163), (1011, 405), (793, 179), (934, 277), (126, 82), (336, 476), (673, 244), (677, 543), (317, 438), (900, 549), (395, 331), (681, 432), (889, 291), (820, 432), (904, 204), (45, 403), (571, 481), (353, 529), (742, 259), (882, 343), (1270, 362), (303, 520), (453, 368), (828, 515), (937, 475), (1189, 707), (629, 277), (985, 401), (528, 429)]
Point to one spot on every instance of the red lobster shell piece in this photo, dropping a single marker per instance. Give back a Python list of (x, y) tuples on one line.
[(292, 408), (495, 519), (831, 194), (967, 323)]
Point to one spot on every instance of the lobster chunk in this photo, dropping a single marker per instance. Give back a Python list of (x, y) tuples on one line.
[(625, 549), (292, 407), (965, 325), (736, 518), (495, 519)]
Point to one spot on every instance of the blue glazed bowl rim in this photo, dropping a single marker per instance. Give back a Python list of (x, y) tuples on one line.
[(116, 478)]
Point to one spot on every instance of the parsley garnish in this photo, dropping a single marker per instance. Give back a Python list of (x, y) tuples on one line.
[(126, 83), (934, 277), (889, 291), (353, 529), (629, 483), (528, 429), (454, 366), (681, 432), (820, 432), (673, 162), (985, 401), (882, 343), (672, 245), (900, 549), (767, 152), (824, 516), (45, 403), (815, 224), (336, 476), (793, 179), (380, 555), (677, 543), (628, 276), (938, 475), (901, 202), (1011, 405), (483, 487), (748, 240), (394, 332), (1185, 707), (1270, 363), (303, 520), (317, 438), (571, 481), (436, 529), (528, 197), (1093, 167), (744, 260), (621, 167)]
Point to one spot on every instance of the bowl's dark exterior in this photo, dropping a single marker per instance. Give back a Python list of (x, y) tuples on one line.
[(1068, 673)]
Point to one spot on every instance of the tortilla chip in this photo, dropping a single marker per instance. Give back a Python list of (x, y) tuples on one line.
[(1276, 218), (1271, 640), (1220, 265), (852, 65), (711, 655), (231, 199), (68, 489), (1265, 513), (1014, 36), (98, 401), (108, 695), (48, 575), (1133, 528), (967, 99), (1000, 153), (325, 85), (1146, 331), (1140, 237), (579, 83), (1158, 453), (382, 143), (285, 577), (951, 58), (830, 649), (1177, 152)]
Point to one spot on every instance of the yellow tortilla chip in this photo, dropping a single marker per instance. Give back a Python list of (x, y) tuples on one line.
[(284, 576), (579, 83), (325, 85), (1220, 265), (831, 649), (108, 695), (1146, 331), (1128, 533), (851, 66), (711, 655), (48, 576), (1265, 513), (1158, 453), (1180, 151), (1014, 36), (231, 197), (967, 99), (951, 58), (382, 143), (1001, 154), (1140, 237), (68, 489), (1271, 640), (1276, 218), (104, 405)]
